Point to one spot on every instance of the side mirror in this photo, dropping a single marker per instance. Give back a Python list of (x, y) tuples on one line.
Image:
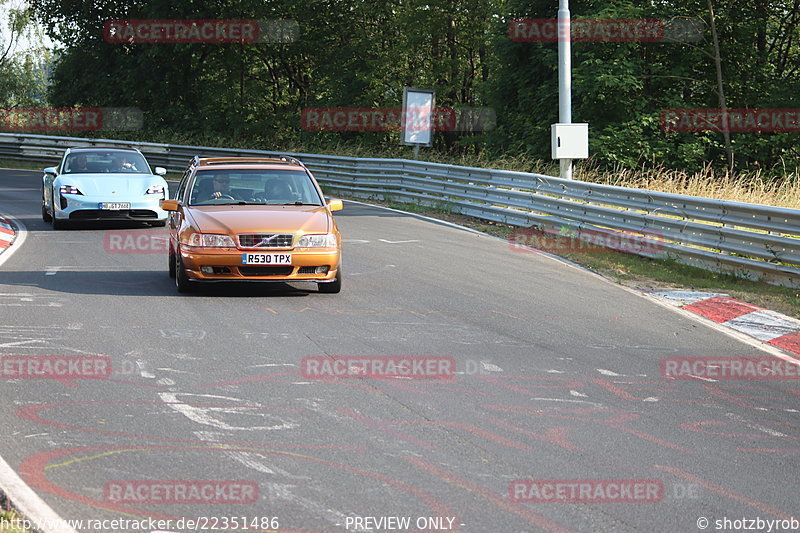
[(51, 171), (169, 205), (335, 205), (160, 171)]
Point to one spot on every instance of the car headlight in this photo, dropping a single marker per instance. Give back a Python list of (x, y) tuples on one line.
[(69, 189), (211, 240), (327, 240), (155, 189)]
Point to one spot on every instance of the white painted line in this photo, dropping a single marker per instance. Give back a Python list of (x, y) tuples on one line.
[(757, 427), (29, 504), (567, 401), (397, 242), (764, 325), (489, 367), (143, 369), (607, 372), (681, 298)]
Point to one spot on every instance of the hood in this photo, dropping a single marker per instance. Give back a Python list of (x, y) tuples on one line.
[(109, 185), (235, 219)]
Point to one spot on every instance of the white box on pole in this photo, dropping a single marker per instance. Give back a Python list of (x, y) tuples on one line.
[(569, 141)]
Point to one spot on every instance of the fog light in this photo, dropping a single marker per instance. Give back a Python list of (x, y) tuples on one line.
[(207, 270), (322, 270)]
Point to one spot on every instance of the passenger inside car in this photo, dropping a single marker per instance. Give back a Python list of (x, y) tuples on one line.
[(278, 191), (78, 164)]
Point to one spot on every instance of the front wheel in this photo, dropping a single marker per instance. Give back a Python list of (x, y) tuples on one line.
[(59, 224), (45, 214), (172, 266), (182, 282), (333, 287)]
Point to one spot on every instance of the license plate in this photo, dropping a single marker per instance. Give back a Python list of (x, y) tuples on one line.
[(266, 259), (115, 206)]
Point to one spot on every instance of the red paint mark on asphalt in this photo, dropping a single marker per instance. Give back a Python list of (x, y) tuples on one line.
[(31, 412), (699, 427), (558, 435), (470, 429), (381, 425), (724, 492), (500, 501), (32, 470), (613, 422)]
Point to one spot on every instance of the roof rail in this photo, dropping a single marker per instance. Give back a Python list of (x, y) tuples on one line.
[(245, 161), (293, 160)]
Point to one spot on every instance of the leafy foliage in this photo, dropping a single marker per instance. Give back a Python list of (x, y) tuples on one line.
[(361, 53)]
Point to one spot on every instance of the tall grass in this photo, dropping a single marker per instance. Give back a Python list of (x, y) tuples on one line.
[(780, 189), (777, 186)]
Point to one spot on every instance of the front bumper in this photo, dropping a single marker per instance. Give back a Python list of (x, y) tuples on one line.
[(80, 207), (228, 266)]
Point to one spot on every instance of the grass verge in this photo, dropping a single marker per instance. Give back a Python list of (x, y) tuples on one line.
[(8, 520)]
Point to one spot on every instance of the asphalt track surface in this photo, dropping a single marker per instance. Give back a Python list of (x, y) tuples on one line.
[(560, 380)]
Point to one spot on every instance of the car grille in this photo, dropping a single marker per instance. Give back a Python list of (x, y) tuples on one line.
[(94, 214), (265, 270), (273, 240)]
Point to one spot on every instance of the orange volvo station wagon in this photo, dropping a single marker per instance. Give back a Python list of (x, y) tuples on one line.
[(252, 219)]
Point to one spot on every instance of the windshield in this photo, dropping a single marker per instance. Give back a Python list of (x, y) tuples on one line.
[(105, 161), (253, 186)]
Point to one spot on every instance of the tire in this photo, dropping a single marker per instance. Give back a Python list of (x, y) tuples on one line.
[(182, 282), (172, 269), (45, 214), (334, 287), (59, 224)]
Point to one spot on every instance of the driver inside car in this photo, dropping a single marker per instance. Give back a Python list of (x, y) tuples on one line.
[(221, 186)]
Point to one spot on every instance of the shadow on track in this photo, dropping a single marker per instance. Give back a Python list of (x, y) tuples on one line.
[(144, 283)]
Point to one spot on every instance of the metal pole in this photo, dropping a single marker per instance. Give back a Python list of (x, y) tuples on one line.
[(564, 77)]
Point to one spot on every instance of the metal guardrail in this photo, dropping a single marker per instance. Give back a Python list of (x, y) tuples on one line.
[(749, 240)]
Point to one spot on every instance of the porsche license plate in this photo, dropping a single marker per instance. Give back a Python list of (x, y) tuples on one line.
[(266, 259), (115, 206)]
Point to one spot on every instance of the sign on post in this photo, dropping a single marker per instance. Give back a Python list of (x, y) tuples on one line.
[(417, 118)]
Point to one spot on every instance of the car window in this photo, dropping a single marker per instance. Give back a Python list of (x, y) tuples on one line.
[(105, 161), (216, 186), (182, 185)]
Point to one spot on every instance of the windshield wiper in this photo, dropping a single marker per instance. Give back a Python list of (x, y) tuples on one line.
[(296, 203)]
